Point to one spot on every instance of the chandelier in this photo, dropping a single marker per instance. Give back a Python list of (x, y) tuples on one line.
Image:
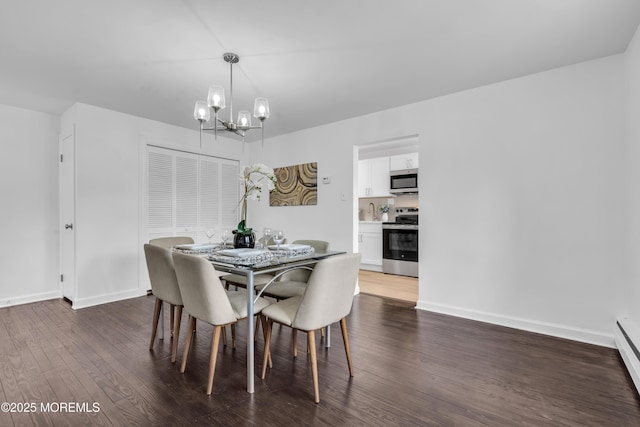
[(216, 102)]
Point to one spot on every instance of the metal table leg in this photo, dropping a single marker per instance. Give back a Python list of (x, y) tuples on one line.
[(250, 333)]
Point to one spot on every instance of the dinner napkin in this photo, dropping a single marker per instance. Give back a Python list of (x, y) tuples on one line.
[(242, 252), (290, 247)]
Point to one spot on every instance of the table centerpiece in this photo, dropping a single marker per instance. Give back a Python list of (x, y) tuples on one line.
[(254, 179)]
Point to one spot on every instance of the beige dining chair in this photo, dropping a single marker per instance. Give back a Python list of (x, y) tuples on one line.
[(168, 243), (205, 299), (164, 286), (292, 283), (327, 299)]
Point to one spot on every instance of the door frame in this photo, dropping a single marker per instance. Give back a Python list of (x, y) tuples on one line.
[(68, 284)]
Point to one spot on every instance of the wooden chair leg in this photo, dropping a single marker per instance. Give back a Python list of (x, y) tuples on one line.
[(187, 343), (263, 320), (294, 334), (171, 319), (224, 336), (215, 342), (176, 333), (267, 352), (156, 317), (345, 338), (311, 338), (256, 329)]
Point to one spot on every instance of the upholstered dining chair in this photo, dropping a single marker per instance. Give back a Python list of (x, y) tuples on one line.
[(205, 299), (168, 243), (292, 283), (326, 300), (164, 286)]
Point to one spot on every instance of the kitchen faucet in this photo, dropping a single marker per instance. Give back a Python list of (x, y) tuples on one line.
[(373, 212)]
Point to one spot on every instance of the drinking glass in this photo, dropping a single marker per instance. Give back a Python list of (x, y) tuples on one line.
[(225, 236), (278, 237), (209, 233), (266, 235)]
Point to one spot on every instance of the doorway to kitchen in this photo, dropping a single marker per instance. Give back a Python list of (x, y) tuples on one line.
[(377, 204)]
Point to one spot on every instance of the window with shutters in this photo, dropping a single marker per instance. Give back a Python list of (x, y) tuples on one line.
[(188, 193)]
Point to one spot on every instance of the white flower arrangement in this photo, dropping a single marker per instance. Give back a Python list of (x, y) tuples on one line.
[(254, 178)]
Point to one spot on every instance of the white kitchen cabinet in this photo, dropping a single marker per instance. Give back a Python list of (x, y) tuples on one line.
[(370, 245), (373, 177), (403, 161)]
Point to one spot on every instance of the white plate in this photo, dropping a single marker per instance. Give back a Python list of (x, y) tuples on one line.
[(195, 247)]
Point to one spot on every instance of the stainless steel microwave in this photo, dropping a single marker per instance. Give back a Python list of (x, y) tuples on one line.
[(403, 181)]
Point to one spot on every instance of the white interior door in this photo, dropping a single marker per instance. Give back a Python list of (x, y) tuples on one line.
[(66, 144)]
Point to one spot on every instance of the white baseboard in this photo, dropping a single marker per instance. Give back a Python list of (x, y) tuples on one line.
[(26, 299), (626, 349), (107, 298), (560, 331)]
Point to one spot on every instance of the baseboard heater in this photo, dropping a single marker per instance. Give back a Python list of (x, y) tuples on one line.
[(627, 338)]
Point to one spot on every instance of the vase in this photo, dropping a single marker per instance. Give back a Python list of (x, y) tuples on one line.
[(244, 240), (385, 217)]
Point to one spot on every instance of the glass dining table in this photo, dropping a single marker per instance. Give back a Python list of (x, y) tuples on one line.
[(253, 262)]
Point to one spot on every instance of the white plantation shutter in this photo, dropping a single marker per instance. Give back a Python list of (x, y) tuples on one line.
[(160, 190), (209, 192), (229, 197), (188, 193)]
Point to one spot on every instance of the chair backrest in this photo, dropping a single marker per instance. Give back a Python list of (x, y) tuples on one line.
[(169, 242), (329, 293), (319, 246), (202, 292), (162, 274)]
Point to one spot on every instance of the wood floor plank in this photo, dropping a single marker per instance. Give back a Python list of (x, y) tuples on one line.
[(411, 368), (388, 285)]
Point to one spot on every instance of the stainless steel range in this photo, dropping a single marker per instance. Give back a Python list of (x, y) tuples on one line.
[(400, 243)]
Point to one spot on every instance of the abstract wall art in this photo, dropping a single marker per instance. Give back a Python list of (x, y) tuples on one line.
[(296, 185)]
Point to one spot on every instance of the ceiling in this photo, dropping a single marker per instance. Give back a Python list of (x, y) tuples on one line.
[(317, 62)]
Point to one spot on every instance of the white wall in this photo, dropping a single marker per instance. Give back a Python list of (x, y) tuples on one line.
[(109, 204), (521, 197), (525, 215), (29, 269)]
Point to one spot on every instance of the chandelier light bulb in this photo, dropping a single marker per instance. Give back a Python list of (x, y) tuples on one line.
[(261, 109), (201, 111), (216, 98), (244, 120)]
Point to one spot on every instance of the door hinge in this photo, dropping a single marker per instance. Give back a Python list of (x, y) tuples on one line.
[(61, 158), (62, 277)]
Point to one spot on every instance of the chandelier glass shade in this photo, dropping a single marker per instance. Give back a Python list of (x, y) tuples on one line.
[(216, 101)]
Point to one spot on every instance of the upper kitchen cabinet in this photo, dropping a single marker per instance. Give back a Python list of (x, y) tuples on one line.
[(403, 161), (373, 177)]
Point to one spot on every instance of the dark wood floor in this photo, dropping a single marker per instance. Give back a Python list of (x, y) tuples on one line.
[(411, 368)]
